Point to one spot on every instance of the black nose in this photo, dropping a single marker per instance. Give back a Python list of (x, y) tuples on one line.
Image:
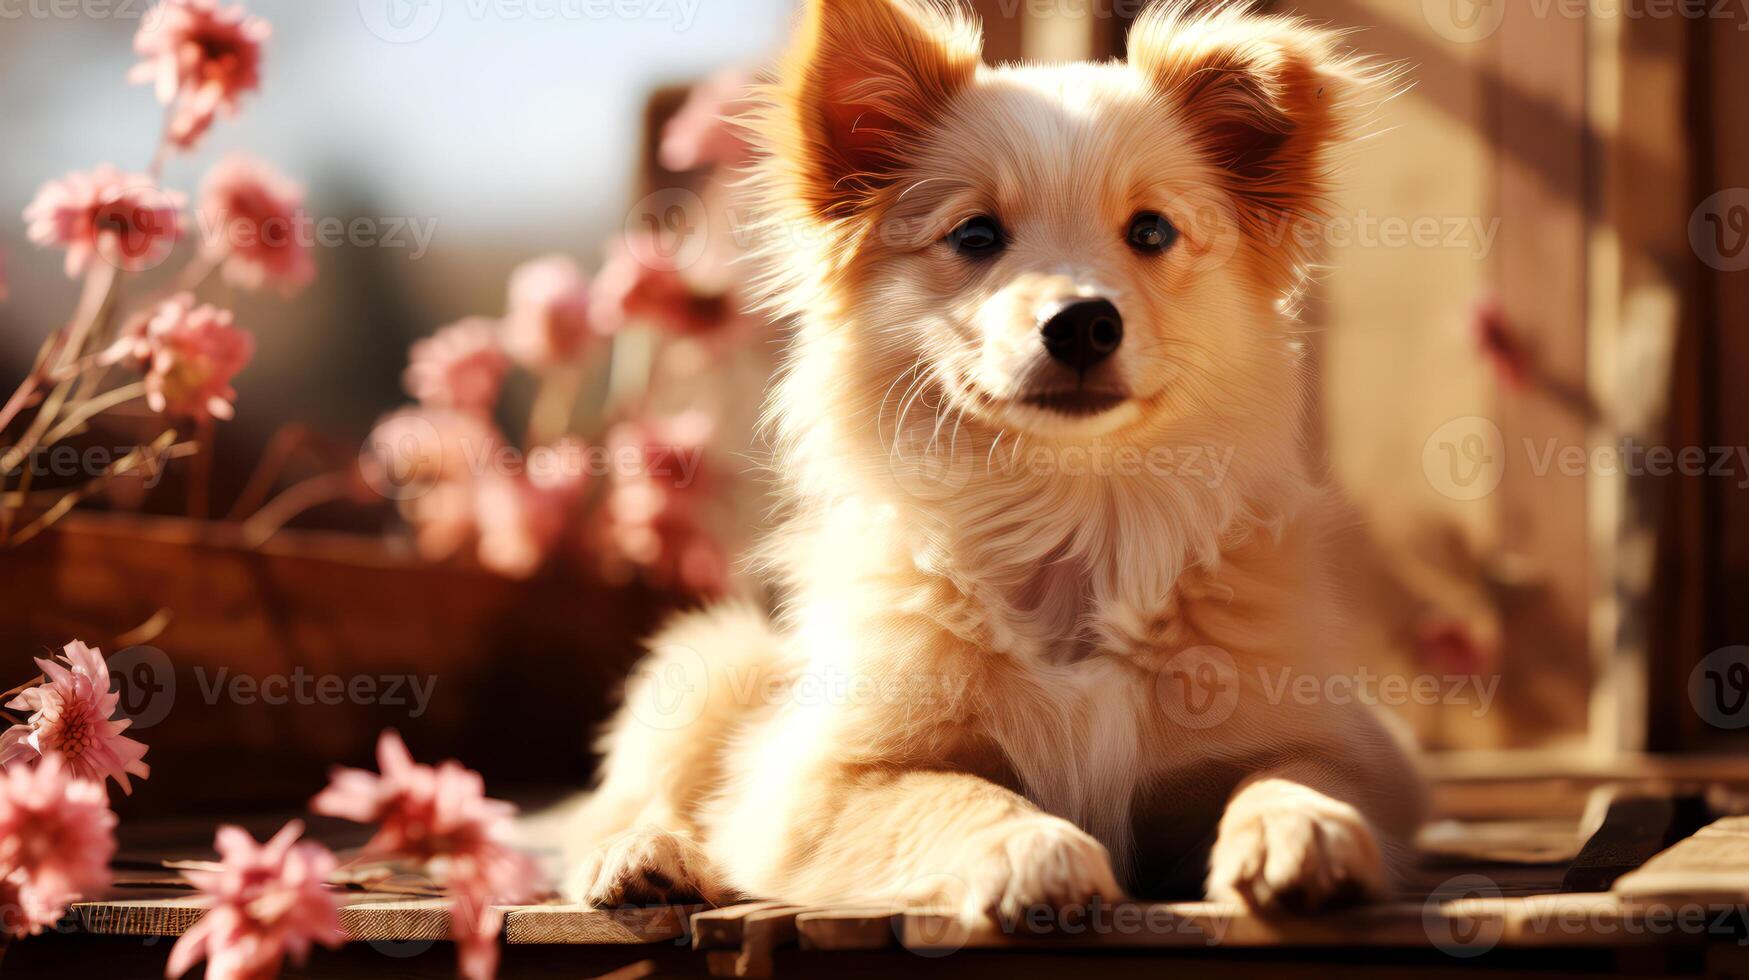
[(1083, 332)]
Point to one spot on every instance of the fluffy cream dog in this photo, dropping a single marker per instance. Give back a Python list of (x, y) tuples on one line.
[(1049, 530)]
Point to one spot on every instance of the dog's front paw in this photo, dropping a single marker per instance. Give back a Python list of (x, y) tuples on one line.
[(646, 866), (1037, 861), (1284, 847)]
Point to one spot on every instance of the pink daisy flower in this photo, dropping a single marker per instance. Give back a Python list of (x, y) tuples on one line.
[(639, 283), (125, 219), (253, 220), (199, 58), (548, 322), (57, 835), (440, 815), (265, 902), (189, 354), (71, 716), (460, 367), (655, 513)]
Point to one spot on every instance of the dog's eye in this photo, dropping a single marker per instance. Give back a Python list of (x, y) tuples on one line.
[(979, 237), (1151, 232)]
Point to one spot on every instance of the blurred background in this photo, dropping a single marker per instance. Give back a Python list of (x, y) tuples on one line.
[(1535, 279)]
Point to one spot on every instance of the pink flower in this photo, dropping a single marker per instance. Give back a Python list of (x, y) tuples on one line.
[(548, 321), (253, 221), (199, 58), (125, 219), (641, 282), (654, 514), (57, 835), (460, 367), (521, 518), (704, 132), (71, 717), (432, 460), (189, 354), (265, 902), (441, 816)]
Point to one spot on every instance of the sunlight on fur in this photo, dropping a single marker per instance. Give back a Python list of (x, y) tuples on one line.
[(1040, 441)]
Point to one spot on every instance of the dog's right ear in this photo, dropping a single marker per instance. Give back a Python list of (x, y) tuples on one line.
[(862, 83)]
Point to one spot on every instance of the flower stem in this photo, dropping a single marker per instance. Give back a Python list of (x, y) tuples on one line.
[(281, 510), (93, 408), (200, 476)]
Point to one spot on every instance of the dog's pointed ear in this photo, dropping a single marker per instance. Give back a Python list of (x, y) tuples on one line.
[(1267, 97), (864, 81)]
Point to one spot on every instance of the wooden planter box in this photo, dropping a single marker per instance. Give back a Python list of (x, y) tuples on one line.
[(280, 662)]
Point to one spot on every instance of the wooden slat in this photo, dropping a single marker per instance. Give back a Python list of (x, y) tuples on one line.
[(762, 932), (723, 928), (396, 921), (1601, 920), (573, 925), (847, 929), (170, 916), (1712, 865)]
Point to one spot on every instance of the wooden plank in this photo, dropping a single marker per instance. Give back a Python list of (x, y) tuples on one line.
[(1461, 927), (1712, 865), (396, 921), (723, 928), (847, 929), (762, 932), (168, 916), (573, 925)]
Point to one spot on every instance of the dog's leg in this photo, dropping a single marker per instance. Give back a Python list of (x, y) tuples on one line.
[(636, 838), (937, 839), (647, 866), (1309, 835)]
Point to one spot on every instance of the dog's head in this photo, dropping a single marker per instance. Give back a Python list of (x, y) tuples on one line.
[(1065, 252)]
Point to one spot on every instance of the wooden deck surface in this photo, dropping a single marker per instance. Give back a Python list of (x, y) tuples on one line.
[(1486, 894)]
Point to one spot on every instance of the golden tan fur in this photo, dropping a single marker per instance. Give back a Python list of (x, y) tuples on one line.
[(977, 691)]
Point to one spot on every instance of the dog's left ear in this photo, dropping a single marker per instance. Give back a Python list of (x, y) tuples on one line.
[(864, 80), (1266, 97)]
